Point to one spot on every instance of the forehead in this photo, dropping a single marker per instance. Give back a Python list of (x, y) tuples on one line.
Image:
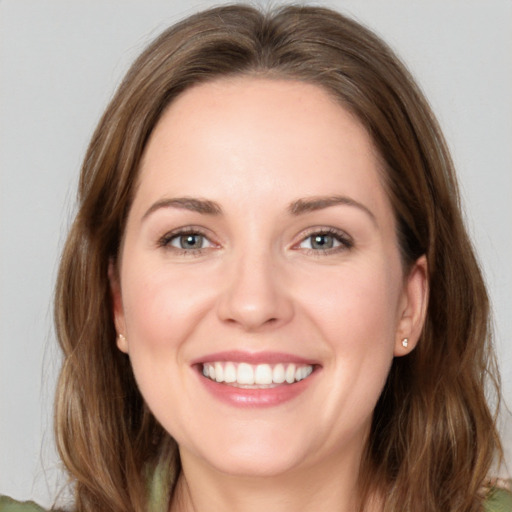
[(273, 136), (293, 108)]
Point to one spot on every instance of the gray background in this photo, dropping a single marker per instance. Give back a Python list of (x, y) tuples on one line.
[(59, 64)]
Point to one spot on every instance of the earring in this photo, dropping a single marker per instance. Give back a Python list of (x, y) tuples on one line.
[(121, 337), (405, 342)]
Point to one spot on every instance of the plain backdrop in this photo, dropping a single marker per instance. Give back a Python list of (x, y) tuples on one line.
[(60, 62)]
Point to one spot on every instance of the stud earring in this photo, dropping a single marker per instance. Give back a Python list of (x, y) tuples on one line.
[(121, 337), (405, 342)]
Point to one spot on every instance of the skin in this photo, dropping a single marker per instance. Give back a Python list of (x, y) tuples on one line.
[(255, 146)]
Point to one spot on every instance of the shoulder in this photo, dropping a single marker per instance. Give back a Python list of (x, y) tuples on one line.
[(498, 500), (10, 505)]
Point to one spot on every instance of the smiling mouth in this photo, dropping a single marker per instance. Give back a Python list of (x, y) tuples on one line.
[(255, 376)]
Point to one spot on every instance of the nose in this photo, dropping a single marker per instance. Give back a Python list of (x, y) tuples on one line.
[(254, 295)]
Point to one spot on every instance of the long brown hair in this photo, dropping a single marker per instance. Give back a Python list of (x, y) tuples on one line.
[(433, 436)]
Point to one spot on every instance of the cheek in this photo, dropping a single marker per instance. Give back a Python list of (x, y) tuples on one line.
[(161, 309), (162, 306), (356, 307)]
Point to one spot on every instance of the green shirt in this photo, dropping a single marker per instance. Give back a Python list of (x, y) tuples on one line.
[(499, 500), (9, 505)]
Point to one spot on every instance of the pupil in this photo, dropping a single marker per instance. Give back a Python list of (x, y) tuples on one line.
[(322, 242), (191, 241)]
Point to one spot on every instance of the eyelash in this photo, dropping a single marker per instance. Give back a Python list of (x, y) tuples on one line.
[(345, 241), (166, 240)]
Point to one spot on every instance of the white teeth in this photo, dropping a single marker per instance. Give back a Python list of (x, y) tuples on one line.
[(229, 373), (219, 372), (290, 374), (278, 375), (303, 372), (263, 374), (245, 374)]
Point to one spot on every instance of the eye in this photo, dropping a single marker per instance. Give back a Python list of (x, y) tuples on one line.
[(320, 241), (189, 241), (326, 241), (186, 241)]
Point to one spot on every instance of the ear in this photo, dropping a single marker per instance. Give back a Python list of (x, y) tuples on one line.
[(117, 303), (413, 307)]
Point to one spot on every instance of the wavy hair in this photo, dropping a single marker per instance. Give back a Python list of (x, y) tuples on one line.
[(433, 437)]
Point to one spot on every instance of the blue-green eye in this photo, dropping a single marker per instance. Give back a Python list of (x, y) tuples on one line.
[(189, 241), (186, 240), (325, 241), (320, 241)]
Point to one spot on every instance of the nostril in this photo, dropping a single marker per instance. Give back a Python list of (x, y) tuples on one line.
[(254, 300)]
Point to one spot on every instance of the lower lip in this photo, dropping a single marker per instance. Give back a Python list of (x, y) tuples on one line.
[(250, 397)]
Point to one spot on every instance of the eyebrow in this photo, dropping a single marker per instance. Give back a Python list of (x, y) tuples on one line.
[(306, 205), (296, 208), (203, 206)]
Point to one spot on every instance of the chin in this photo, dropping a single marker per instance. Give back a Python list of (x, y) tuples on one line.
[(254, 465), (260, 451)]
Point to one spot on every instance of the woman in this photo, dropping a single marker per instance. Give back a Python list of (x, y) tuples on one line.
[(268, 297)]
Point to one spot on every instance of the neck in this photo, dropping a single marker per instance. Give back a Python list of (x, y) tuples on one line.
[(330, 488)]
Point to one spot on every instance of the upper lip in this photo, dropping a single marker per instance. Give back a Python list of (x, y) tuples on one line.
[(238, 356)]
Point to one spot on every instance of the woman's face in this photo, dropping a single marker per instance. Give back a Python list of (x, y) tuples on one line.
[(260, 289)]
